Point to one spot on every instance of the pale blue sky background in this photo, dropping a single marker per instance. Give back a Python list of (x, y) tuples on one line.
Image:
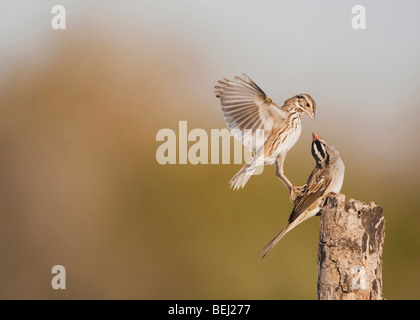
[(366, 81)]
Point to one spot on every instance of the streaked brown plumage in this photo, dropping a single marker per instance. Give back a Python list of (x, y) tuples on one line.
[(327, 177), (268, 130)]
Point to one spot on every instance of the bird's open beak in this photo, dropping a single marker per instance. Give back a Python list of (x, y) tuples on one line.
[(315, 137)]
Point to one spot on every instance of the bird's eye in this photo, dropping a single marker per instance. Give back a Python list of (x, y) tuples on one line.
[(307, 104)]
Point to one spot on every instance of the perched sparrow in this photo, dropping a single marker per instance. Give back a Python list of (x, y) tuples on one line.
[(327, 177), (246, 109)]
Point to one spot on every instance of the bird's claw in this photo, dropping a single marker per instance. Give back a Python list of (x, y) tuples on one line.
[(294, 190)]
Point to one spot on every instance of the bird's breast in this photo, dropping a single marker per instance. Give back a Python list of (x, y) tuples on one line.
[(338, 177), (289, 138)]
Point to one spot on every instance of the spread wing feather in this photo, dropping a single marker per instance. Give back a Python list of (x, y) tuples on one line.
[(247, 108)]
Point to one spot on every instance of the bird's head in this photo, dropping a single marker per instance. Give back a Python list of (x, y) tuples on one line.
[(322, 152), (305, 103)]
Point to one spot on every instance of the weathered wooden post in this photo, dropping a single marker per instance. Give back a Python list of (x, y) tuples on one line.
[(350, 250)]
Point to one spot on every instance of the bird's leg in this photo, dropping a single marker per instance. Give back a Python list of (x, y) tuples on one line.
[(296, 189), (292, 189), (282, 177)]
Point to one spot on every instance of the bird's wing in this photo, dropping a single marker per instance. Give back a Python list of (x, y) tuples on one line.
[(247, 108), (315, 189)]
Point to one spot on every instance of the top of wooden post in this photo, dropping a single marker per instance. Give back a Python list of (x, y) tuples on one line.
[(350, 249)]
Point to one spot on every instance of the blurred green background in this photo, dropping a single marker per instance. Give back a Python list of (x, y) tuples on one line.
[(80, 108)]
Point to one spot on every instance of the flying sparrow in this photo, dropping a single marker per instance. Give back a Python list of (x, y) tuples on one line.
[(268, 130), (327, 177)]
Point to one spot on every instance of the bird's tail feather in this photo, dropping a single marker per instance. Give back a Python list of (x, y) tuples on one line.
[(273, 242), (277, 238), (241, 178)]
